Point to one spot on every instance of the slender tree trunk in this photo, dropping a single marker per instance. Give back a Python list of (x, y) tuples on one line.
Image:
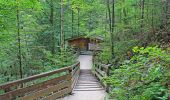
[(72, 13), (19, 44), (166, 14), (113, 15), (27, 50), (78, 21), (62, 25), (152, 18), (142, 15), (113, 23), (109, 16), (125, 15), (106, 22), (136, 20), (52, 26)]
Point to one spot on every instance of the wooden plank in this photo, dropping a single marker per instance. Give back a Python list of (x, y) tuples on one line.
[(76, 65), (75, 79), (75, 70), (22, 91), (75, 76), (103, 65), (58, 94), (99, 76), (74, 82), (31, 78), (46, 92), (19, 92), (102, 73)]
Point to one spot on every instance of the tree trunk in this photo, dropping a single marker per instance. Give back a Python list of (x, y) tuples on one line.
[(152, 18), (109, 15), (52, 26), (62, 25), (142, 15), (125, 14), (113, 23), (72, 13), (166, 14), (78, 21), (19, 43)]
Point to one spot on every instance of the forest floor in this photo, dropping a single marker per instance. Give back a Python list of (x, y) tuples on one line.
[(98, 94)]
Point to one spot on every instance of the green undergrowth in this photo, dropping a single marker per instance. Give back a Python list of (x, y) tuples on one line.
[(47, 62), (143, 77)]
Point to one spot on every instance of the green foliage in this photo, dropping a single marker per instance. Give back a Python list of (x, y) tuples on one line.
[(104, 56), (122, 47), (36, 39), (61, 59), (143, 77)]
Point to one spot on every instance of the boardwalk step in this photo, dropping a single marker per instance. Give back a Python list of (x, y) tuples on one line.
[(88, 85), (99, 89), (87, 82)]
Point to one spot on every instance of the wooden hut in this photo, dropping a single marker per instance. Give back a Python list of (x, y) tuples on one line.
[(85, 43)]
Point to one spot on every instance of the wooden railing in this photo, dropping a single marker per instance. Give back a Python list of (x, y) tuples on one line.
[(101, 71), (57, 84)]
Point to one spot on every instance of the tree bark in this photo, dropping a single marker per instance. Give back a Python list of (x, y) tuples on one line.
[(52, 26), (125, 14), (113, 24), (152, 18), (19, 43), (78, 21), (166, 14), (142, 15), (72, 13), (109, 15), (62, 25)]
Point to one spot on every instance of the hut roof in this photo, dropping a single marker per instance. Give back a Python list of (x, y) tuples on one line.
[(85, 37)]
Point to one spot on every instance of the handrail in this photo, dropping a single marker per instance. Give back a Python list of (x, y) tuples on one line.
[(24, 92), (101, 71), (103, 67), (31, 78), (75, 74)]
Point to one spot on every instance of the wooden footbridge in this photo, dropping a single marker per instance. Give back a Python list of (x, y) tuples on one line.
[(76, 82)]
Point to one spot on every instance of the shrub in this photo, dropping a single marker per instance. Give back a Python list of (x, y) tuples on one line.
[(143, 77)]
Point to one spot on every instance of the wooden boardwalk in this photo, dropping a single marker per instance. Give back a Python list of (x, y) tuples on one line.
[(87, 82), (77, 80), (87, 87)]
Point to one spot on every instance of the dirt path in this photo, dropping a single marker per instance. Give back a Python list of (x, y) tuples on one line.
[(87, 88)]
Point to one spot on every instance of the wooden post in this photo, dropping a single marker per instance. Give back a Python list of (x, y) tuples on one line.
[(108, 73), (71, 76), (95, 65)]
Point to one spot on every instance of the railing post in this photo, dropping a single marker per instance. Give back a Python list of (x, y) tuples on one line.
[(95, 66), (71, 76), (108, 73)]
